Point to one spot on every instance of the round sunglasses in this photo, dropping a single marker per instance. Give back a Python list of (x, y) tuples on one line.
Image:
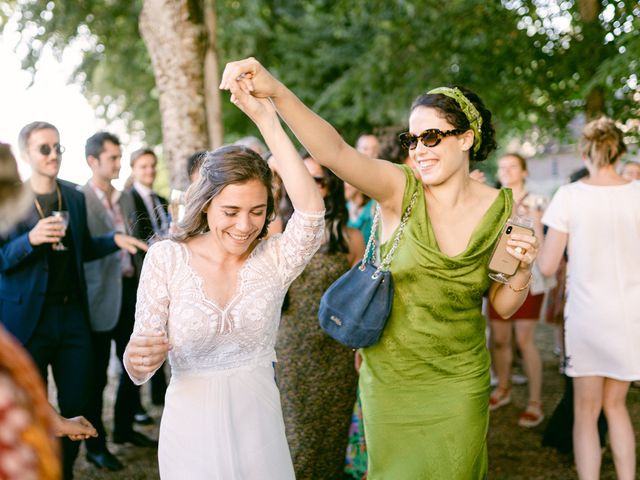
[(46, 149), (429, 138)]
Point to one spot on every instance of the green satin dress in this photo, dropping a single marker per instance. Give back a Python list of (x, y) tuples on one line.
[(425, 385)]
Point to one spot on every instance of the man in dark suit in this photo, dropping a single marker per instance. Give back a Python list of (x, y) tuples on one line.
[(112, 283), (151, 209), (43, 297), (151, 222)]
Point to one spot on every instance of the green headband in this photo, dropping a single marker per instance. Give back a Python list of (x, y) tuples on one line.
[(468, 108)]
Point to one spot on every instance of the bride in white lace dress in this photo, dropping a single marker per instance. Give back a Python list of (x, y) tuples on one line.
[(211, 298)]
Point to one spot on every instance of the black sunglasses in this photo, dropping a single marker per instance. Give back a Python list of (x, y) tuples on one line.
[(429, 138), (46, 149), (320, 181)]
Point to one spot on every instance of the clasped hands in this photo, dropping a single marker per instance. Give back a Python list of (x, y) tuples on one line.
[(251, 86)]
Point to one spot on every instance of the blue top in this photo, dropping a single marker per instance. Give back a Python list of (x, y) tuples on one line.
[(364, 222)]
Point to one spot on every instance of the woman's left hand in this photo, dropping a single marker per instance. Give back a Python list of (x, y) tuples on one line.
[(524, 248), (257, 109)]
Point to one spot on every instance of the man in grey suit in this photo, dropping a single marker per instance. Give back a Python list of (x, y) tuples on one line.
[(111, 286)]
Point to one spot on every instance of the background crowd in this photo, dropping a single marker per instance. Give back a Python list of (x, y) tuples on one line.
[(205, 277), (317, 376)]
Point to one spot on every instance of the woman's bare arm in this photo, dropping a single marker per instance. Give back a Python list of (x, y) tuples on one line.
[(378, 179)]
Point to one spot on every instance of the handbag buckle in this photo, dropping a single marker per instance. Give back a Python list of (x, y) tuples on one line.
[(336, 320)]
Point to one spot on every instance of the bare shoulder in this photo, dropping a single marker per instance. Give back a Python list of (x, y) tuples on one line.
[(483, 195), (395, 177)]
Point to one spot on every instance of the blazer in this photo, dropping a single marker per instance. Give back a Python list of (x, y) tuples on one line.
[(104, 275), (23, 267)]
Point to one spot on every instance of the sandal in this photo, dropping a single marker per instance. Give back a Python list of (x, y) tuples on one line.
[(499, 398), (532, 416)]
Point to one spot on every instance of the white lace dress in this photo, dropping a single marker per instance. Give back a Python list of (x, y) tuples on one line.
[(222, 418)]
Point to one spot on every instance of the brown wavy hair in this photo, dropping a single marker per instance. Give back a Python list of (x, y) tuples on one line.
[(233, 164), (521, 160)]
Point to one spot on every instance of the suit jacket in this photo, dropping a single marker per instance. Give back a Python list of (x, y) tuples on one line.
[(142, 223), (104, 275), (142, 219), (24, 268)]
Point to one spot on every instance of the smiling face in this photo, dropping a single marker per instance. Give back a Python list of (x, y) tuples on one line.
[(144, 169), (451, 156), (43, 165), (237, 215), (510, 171)]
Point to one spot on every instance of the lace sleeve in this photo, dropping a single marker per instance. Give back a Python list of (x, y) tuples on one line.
[(299, 242), (152, 305)]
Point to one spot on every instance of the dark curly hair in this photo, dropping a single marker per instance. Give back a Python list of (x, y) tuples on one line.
[(456, 117), (391, 148), (336, 214)]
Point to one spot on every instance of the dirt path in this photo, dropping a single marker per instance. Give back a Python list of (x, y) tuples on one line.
[(515, 453)]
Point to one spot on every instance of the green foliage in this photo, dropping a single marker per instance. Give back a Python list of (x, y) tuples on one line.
[(115, 73), (360, 63)]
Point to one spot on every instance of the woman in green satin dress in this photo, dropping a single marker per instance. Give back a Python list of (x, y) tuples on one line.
[(425, 385)]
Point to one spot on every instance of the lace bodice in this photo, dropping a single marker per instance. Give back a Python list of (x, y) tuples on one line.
[(206, 336)]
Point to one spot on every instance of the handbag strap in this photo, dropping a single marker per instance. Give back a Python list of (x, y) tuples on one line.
[(371, 243)]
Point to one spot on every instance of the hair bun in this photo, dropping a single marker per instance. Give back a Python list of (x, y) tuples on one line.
[(602, 142)]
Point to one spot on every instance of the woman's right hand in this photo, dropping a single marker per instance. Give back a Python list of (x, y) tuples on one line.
[(252, 77), (47, 230), (258, 109), (146, 352)]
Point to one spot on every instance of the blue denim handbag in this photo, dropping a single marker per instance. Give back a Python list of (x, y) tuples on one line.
[(355, 308)]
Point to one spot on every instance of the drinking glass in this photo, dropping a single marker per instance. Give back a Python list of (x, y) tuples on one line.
[(176, 205), (63, 217), (521, 221)]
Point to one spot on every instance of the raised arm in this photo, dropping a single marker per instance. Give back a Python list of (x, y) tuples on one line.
[(378, 179), (300, 186)]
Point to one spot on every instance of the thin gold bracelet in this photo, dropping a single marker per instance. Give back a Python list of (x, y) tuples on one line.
[(524, 287)]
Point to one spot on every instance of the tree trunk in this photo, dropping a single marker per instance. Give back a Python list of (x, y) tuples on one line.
[(595, 103), (589, 10), (212, 79), (596, 51), (175, 35)]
